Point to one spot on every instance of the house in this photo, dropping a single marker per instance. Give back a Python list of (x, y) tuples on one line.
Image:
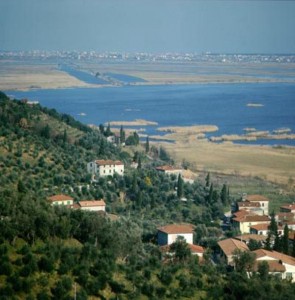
[(287, 261), (92, 205), (169, 233), (284, 217), (262, 229), (228, 248), (103, 168), (244, 223), (169, 170), (61, 200), (289, 208), (255, 203)]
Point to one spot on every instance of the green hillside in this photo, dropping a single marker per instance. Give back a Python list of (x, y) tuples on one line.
[(59, 253)]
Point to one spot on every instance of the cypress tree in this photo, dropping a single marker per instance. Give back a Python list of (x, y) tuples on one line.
[(179, 186), (208, 180), (122, 135), (285, 240)]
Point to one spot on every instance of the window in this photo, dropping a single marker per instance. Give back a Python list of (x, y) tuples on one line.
[(289, 275), (262, 204)]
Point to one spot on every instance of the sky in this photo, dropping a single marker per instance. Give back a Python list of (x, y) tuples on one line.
[(155, 26)]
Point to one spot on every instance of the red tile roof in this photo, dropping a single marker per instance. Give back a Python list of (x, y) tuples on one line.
[(91, 203), (228, 246), (174, 228), (193, 248), (260, 253), (256, 198), (60, 197), (196, 248), (249, 218), (103, 162), (242, 213), (248, 237), (263, 226), (274, 266), (288, 207)]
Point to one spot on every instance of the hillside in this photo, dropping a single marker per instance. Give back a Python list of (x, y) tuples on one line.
[(51, 252)]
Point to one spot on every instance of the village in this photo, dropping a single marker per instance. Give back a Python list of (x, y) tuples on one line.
[(259, 230)]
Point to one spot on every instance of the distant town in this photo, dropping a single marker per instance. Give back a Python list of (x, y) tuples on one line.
[(151, 57)]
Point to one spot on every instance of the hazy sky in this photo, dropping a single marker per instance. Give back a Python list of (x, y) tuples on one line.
[(148, 25)]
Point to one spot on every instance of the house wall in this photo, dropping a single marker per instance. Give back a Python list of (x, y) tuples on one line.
[(162, 238), (187, 236), (245, 226), (107, 170), (94, 208), (64, 202), (92, 167)]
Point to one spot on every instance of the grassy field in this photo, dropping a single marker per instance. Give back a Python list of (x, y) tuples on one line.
[(25, 74)]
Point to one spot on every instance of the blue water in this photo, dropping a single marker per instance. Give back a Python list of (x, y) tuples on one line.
[(81, 75), (224, 105)]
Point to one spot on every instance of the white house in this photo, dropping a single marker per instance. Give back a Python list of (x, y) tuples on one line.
[(102, 168), (61, 200), (169, 233), (262, 229), (285, 260), (255, 203), (92, 205)]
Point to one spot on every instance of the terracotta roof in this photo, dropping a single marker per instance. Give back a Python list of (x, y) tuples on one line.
[(196, 248), (263, 226), (285, 216), (103, 162), (174, 228), (60, 197), (91, 203), (242, 213), (256, 198), (286, 259), (167, 168), (193, 248), (274, 266), (288, 206), (229, 245), (248, 204), (248, 237), (252, 218)]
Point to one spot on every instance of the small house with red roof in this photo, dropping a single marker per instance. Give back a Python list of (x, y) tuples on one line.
[(169, 170), (168, 234), (92, 205), (61, 199)]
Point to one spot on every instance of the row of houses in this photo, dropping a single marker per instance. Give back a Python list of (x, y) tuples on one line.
[(68, 201), (279, 264)]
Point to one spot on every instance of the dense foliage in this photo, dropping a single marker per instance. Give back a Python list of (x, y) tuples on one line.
[(57, 253)]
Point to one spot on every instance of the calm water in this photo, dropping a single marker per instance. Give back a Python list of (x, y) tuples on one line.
[(224, 105)]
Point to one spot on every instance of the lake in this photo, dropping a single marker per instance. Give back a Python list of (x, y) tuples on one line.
[(224, 105)]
